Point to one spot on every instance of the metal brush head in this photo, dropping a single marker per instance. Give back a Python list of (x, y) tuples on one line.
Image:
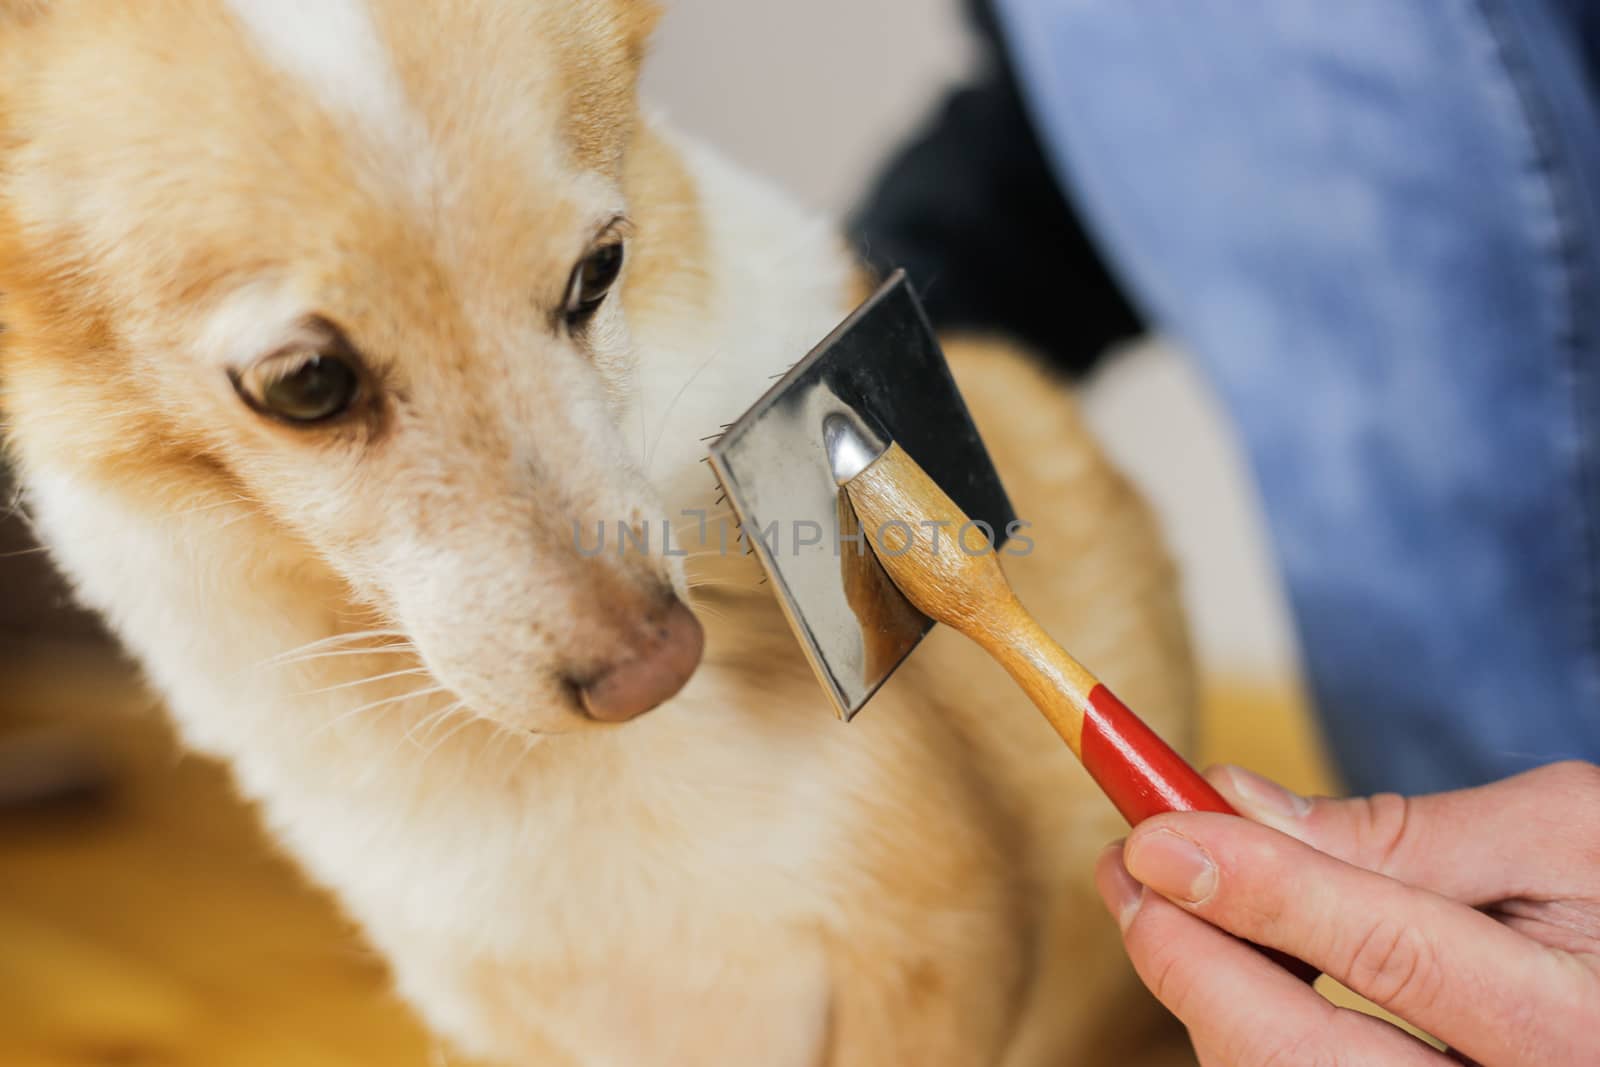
[(879, 377)]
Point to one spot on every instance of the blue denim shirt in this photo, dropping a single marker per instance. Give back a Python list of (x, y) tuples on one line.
[(1375, 223)]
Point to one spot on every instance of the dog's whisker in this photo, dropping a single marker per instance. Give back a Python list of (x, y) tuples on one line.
[(714, 614), (711, 553), (716, 549), (365, 681), (17, 508), (371, 705), (398, 648), (335, 639), (409, 738), (696, 578), (210, 506), (711, 582), (329, 642), (644, 422), (466, 720), (666, 416), (431, 722), (495, 746)]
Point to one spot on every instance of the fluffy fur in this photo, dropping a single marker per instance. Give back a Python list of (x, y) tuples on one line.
[(367, 621)]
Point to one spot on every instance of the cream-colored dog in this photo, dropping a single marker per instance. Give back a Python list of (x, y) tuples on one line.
[(326, 323)]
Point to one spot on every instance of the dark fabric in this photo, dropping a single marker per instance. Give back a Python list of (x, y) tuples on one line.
[(971, 209)]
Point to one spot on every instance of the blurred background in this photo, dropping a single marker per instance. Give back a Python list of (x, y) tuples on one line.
[(143, 918), (815, 97)]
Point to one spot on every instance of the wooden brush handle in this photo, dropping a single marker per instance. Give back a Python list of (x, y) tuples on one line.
[(962, 586), (1138, 771), (917, 533)]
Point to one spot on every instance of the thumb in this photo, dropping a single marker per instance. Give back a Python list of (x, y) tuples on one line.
[(1511, 838)]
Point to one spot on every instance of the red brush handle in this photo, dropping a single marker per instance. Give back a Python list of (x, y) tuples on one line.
[(1143, 776), (1138, 771)]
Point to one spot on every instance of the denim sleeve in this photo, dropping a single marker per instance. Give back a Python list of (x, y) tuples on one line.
[(1377, 225)]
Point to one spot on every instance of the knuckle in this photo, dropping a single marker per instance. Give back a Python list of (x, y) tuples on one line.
[(1569, 793), (1576, 777), (1169, 978), (1385, 824), (1393, 963)]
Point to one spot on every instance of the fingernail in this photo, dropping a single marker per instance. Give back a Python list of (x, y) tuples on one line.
[(1172, 865), (1122, 895), (1265, 796)]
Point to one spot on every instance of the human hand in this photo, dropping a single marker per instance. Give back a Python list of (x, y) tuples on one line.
[(1473, 915)]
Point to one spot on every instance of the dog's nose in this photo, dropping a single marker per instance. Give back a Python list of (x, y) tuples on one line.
[(665, 654)]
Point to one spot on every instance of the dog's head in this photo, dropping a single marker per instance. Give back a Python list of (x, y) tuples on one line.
[(359, 262)]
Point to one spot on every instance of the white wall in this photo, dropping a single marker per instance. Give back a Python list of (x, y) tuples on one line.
[(813, 93)]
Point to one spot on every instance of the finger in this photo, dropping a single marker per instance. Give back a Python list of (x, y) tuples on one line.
[(1240, 1009), (1531, 835), (1448, 969)]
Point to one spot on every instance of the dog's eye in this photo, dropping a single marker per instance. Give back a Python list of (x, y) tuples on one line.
[(592, 279), (304, 388)]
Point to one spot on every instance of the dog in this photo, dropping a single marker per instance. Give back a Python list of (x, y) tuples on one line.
[(327, 323)]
